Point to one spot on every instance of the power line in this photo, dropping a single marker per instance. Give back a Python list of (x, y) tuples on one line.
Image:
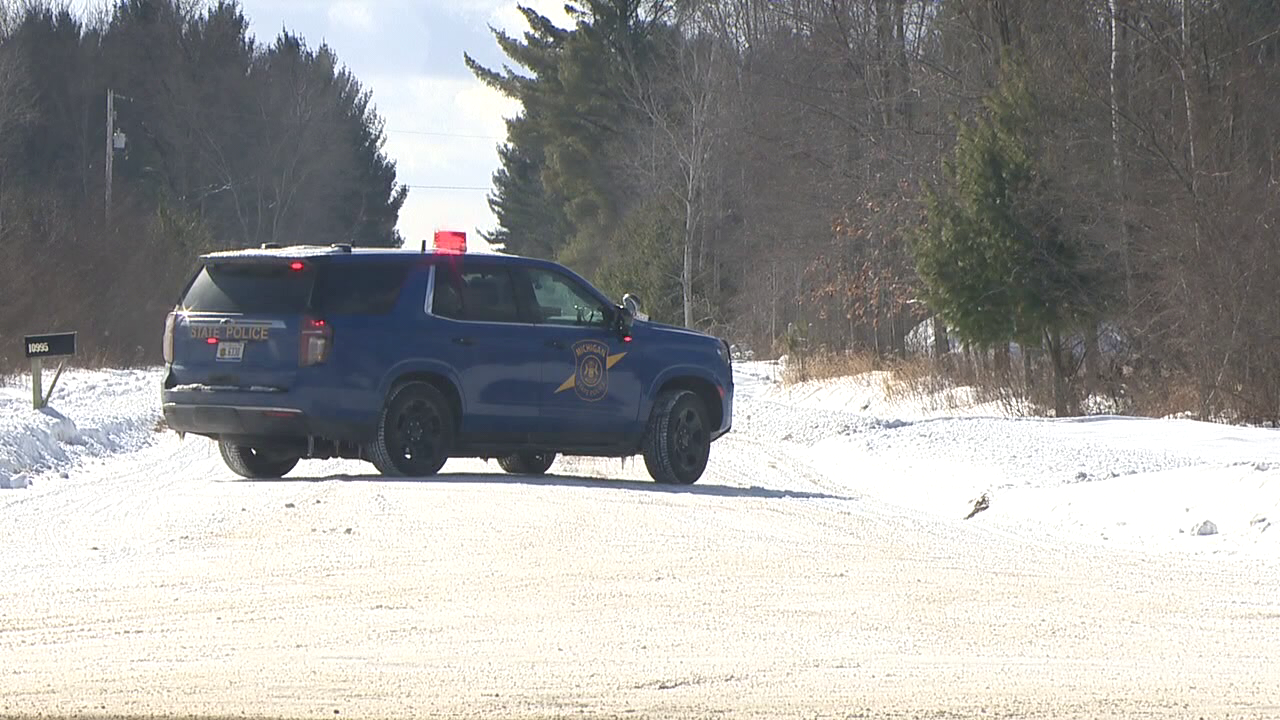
[(447, 187), (222, 112), (443, 134)]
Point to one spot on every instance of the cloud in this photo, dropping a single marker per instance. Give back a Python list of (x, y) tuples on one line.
[(443, 125), (507, 16), (442, 131), (351, 15)]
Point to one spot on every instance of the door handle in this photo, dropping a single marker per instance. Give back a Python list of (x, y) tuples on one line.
[(464, 341), (557, 344)]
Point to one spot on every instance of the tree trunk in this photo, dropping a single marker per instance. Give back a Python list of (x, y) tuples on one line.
[(900, 335), (1117, 162), (1092, 357), (1060, 400), (941, 345), (1028, 369), (1003, 363), (686, 274)]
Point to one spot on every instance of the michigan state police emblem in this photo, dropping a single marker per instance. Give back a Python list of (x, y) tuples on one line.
[(591, 363), (590, 374)]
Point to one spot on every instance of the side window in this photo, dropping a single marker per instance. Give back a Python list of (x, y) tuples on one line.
[(562, 301), (477, 294), (358, 288)]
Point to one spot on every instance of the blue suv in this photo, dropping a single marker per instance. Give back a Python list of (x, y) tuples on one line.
[(406, 359)]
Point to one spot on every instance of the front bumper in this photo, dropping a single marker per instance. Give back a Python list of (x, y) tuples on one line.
[(726, 406)]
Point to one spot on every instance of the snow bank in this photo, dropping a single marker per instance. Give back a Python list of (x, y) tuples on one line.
[(93, 413), (1167, 484)]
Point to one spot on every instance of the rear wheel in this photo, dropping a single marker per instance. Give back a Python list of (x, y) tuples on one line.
[(527, 462), (677, 442), (415, 433), (250, 462)]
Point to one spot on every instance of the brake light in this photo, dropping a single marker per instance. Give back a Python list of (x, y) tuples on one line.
[(170, 322), (297, 266), (315, 342)]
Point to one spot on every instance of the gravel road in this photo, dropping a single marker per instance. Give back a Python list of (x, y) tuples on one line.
[(158, 583)]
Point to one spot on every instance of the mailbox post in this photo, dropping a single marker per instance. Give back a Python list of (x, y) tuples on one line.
[(38, 347)]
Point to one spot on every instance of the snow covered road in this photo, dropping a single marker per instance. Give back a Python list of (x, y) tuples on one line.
[(829, 575)]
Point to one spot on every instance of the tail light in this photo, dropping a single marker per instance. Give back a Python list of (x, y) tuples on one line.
[(316, 341), (170, 323)]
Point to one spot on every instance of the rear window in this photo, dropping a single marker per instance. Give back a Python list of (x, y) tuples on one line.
[(266, 288), (359, 288)]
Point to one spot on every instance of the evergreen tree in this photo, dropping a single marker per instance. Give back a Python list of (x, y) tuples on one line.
[(557, 193), (531, 218), (997, 262)]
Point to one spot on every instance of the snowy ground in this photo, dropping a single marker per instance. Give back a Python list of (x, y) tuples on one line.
[(1136, 482), (92, 414), (822, 568)]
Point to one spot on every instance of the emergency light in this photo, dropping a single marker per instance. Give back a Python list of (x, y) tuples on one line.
[(451, 241)]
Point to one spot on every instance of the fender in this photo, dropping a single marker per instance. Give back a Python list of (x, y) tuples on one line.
[(419, 365), (671, 373)]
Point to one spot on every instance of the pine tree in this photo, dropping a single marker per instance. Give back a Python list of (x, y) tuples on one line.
[(997, 261), (557, 194)]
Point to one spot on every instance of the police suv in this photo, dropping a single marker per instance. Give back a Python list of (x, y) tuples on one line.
[(407, 358)]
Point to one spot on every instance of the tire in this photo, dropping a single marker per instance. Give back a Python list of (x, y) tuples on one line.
[(415, 432), (677, 442), (248, 462), (527, 462)]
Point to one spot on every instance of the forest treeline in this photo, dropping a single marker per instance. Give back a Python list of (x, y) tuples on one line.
[(220, 141), (1097, 181)]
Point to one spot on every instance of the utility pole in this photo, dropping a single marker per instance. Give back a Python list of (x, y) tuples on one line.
[(111, 132)]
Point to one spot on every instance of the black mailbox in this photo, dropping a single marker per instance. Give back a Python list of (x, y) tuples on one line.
[(53, 345)]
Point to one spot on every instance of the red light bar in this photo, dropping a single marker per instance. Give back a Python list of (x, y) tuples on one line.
[(451, 241), (296, 266)]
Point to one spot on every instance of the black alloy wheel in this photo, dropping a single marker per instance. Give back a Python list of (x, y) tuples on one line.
[(416, 433), (527, 462), (677, 442)]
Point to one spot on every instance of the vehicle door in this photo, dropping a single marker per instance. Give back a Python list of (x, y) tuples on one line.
[(590, 392), (497, 361)]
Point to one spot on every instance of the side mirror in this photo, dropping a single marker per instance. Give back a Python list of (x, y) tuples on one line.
[(624, 320), (632, 304)]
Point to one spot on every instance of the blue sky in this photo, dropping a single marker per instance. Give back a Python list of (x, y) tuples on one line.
[(409, 53)]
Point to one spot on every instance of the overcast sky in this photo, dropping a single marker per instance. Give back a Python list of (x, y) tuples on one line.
[(443, 125)]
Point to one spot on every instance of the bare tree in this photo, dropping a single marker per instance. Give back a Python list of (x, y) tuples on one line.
[(683, 113), (15, 106)]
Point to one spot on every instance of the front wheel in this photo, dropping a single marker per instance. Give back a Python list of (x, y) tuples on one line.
[(527, 463), (677, 441), (415, 433), (255, 464)]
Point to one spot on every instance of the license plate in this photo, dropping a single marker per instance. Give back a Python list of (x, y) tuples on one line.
[(230, 351)]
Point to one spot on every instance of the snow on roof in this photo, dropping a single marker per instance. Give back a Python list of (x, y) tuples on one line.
[(303, 251)]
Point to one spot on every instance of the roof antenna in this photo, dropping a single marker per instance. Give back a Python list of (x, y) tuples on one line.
[(424, 246)]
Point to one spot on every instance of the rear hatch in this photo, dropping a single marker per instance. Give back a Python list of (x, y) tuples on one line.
[(244, 323)]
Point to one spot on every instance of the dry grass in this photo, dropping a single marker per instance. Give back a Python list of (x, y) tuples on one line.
[(936, 386), (821, 366), (962, 382), (933, 385)]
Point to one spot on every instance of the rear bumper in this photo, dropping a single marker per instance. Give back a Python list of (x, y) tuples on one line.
[(216, 420), (256, 415)]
